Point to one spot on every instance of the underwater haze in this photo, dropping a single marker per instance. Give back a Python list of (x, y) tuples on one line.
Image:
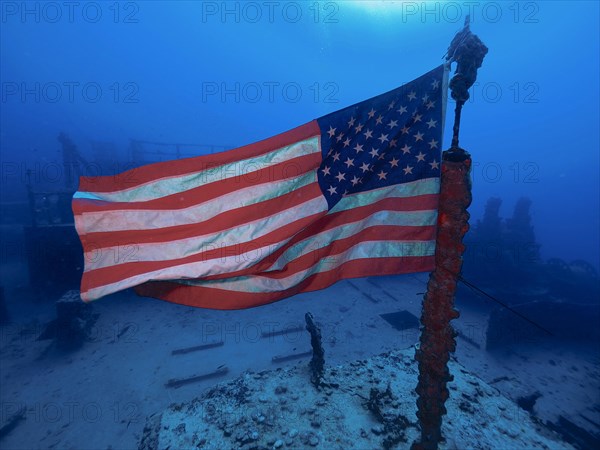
[(98, 88)]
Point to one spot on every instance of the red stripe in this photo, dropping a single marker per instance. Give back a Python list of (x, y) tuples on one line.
[(220, 222), (374, 233), (152, 172), (212, 298), (106, 275), (208, 191), (112, 274)]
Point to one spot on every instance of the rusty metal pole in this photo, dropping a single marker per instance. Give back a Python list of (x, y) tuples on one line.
[(437, 339)]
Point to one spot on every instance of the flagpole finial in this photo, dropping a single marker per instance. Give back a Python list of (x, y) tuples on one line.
[(468, 51)]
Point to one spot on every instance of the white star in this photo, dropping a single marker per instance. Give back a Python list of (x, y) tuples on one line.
[(364, 167), (407, 170), (358, 128), (355, 180), (351, 122), (391, 105), (374, 152), (405, 130), (425, 98), (371, 113), (430, 105), (339, 137), (418, 136), (347, 142), (349, 162), (340, 176), (383, 138), (382, 156), (331, 131), (431, 123), (405, 149), (336, 156), (393, 143), (358, 148), (393, 123), (433, 144), (382, 175), (435, 84), (412, 96), (420, 157), (368, 134), (332, 190), (417, 117), (402, 110), (379, 120), (434, 164), (394, 162), (325, 170)]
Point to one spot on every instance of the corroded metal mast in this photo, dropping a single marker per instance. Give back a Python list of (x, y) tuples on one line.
[(437, 335)]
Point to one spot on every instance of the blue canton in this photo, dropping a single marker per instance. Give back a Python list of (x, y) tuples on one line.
[(390, 139)]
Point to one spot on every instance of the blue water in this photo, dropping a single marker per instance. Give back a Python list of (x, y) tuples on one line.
[(225, 74)]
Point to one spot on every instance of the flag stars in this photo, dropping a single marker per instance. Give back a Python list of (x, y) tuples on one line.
[(382, 175), (355, 180), (417, 117), (332, 190), (425, 98), (331, 131), (326, 170), (406, 149), (402, 110), (394, 162), (349, 162), (339, 137), (433, 144), (371, 113), (418, 137), (435, 84), (434, 165), (392, 124), (336, 156), (379, 120), (432, 123), (374, 152), (393, 143), (405, 130), (358, 128), (411, 96), (383, 138), (347, 142), (407, 170), (420, 157), (351, 122), (368, 134), (430, 105), (391, 105), (358, 148), (365, 167), (340, 176)]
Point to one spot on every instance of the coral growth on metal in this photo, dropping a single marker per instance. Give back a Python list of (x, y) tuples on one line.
[(437, 336)]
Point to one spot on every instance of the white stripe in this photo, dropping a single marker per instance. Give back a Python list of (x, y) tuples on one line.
[(136, 220), (181, 183), (362, 250), (181, 248), (324, 239), (414, 188)]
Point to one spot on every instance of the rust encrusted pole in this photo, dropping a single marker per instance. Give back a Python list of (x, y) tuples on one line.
[(437, 339)]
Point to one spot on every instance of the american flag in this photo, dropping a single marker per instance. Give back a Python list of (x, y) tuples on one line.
[(351, 194)]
